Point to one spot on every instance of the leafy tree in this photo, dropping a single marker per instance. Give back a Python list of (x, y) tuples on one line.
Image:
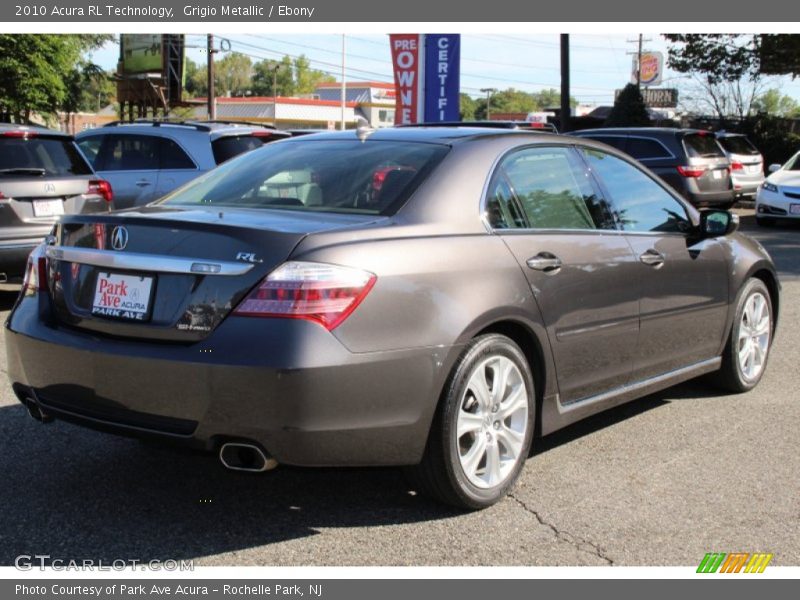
[(294, 77), (772, 102), (629, 109), (467, 107), (233, 74), (37, 72), (196, 78), (307, 79)]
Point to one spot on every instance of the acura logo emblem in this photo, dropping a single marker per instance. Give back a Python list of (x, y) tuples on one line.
[(49, 188), (119, 238)]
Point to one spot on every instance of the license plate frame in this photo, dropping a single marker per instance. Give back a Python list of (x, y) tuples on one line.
[(123, 296), (48, 207)]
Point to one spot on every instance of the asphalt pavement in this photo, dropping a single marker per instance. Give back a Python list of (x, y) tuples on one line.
[(660, 481)]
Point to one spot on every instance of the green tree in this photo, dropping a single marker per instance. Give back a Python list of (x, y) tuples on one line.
[(196, 78), (629, 109), (772, 102), (294, 77), (233, 74), (467, 106), (38, 72), (306, 78)]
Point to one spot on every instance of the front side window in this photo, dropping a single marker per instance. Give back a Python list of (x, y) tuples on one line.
[(544, 188), (639, 203)]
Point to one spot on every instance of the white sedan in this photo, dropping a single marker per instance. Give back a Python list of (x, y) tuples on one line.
[(779, 196)]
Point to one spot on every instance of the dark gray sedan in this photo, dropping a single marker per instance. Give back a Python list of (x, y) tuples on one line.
[(426, 297)]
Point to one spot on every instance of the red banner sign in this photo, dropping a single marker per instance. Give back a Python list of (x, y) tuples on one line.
[(406, 58)]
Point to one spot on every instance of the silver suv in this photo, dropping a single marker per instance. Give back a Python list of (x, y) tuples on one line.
[(747, 163), (145, 160), (42, 175)]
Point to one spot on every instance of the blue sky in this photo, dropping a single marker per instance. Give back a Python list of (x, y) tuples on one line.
[(600, 63)]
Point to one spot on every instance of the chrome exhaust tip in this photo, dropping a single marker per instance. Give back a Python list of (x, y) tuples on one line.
[(35, 410), (238, 456)]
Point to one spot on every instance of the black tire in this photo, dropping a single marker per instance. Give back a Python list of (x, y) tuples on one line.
[(731, 376), (765, 222), (440, 474)]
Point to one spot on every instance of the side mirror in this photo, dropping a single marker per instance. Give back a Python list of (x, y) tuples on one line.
[(716, 223), (774, 167)]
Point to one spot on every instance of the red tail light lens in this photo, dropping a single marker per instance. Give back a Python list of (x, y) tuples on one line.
[(691, 171), (319, 292), (20, 133), (102, 188), (35, 273), (737, 166)]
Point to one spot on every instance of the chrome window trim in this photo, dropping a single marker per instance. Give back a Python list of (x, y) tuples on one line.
[(153, 263)]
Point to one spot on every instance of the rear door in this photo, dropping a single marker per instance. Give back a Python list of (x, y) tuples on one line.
[(130, 162), (175, 167), (580, 268), (683, 284)]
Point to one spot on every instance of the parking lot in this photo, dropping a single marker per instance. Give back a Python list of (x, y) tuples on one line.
[(660, 481)]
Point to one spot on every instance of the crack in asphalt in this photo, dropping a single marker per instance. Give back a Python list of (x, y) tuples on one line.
[(580, 543)]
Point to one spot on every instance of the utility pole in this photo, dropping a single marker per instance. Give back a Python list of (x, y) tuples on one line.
[(344, 83), (212, 100), (565, 107), (275, 94), (488, 92)]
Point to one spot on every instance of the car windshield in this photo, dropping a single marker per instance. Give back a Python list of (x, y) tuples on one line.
[(702, 145), (41, 156), (372, 177), (737, 144)]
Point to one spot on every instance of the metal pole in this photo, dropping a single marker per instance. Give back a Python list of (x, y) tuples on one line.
[(565, 107), (344, 82), (275, 94), (639, 63), (212, 100), (489, 92)]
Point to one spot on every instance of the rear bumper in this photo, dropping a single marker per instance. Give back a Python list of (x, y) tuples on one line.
[(710, 198), (287, 385)]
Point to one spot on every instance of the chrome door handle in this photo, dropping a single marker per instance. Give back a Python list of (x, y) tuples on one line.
[(142, 183), (544, 261), (652, 258)]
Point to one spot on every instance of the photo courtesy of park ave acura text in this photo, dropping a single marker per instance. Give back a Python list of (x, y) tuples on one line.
[(277, 297)]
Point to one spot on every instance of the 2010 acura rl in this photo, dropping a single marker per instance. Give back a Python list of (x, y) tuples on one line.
[(413, 296)]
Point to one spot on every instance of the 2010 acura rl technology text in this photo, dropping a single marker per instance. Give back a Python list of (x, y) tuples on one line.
[(416, 296)]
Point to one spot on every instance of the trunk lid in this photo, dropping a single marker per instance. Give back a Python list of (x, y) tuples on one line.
[(169, 273)]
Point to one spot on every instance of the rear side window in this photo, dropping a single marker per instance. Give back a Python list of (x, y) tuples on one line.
[(173, 156), (644, 148), (48, 156), (738, 144), (639, 203), (702, 145), (544, 188), (225, 148), (128, 153)]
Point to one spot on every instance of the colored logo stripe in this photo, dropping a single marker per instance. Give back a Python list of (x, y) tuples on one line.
[(734, 562)]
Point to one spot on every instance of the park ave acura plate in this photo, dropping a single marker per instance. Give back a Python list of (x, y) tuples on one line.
[(124, 297)]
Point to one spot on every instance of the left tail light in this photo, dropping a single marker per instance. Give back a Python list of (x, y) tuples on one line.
[(737, 166), (35, 280), (324, 293), (102, 188)]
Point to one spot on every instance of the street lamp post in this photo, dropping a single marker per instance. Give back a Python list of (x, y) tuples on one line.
[(488, 92), (275, 94)]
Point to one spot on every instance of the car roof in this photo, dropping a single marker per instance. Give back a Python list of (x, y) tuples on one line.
[(650, 130), (33, 129), (431, 135)]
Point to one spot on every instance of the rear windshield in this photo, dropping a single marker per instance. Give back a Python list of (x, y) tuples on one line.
[(48, 157), (372, 177), (700, 145), (225, 148), (738, 145)]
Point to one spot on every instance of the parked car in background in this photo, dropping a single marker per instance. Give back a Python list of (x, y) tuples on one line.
[(747, 163), (43, 175), (778, 198), (413, 296), (145, 160), (690, 160)]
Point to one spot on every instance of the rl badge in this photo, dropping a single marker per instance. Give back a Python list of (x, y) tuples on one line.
[(122, 296)]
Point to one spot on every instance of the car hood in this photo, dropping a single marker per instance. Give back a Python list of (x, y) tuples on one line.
[(785, 178)]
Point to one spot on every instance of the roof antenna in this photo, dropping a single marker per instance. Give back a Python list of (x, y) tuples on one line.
[(363, 128)]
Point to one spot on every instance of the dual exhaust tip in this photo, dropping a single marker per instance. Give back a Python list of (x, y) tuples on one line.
[(241, 456)]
